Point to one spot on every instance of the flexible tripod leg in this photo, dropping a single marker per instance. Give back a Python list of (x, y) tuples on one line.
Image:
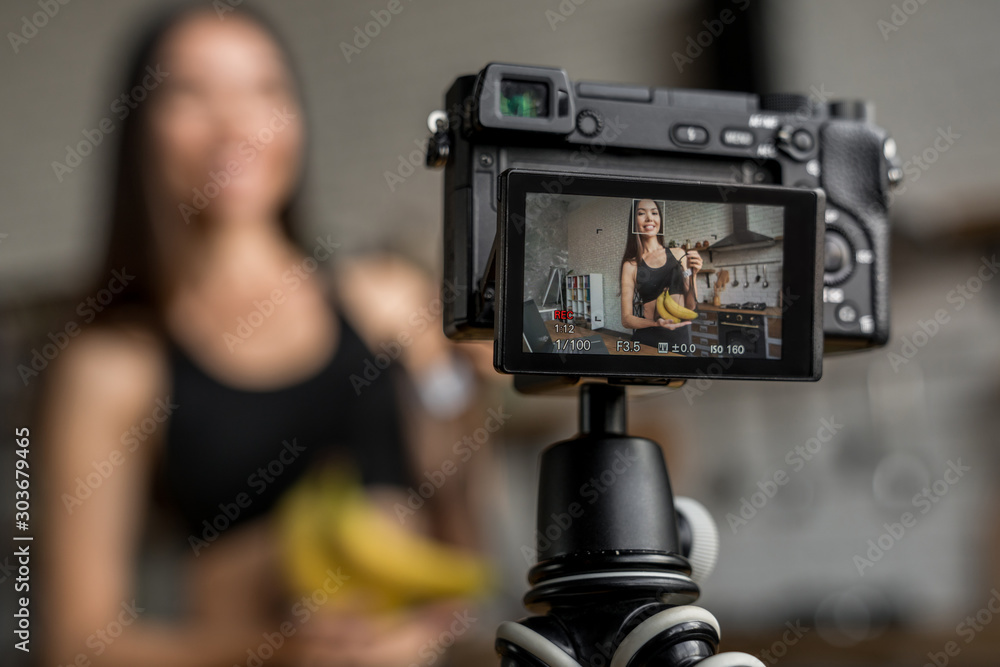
[(613, 584)]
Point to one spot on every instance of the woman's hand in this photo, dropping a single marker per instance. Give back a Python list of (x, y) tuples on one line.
[(694, 261), (344, 639), (660, 322)]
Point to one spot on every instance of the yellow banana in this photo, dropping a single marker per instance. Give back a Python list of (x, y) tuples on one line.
[(661, 309), (409, 565), (676, 309), (326, 522), (305, 556)]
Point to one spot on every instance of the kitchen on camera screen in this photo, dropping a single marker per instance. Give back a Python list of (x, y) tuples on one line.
[(644, 276)]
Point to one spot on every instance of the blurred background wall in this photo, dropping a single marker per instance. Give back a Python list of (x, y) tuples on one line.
[(367, 110), (931, 68)]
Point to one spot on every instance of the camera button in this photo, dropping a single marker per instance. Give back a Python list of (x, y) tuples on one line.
[(803, 141), (838, 258), (847, 313), (589, 123), (735, 137), (690, 135)]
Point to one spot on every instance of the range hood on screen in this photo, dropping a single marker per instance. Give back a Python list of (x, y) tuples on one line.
[(741, 238)]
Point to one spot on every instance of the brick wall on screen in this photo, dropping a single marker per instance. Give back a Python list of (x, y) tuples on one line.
[(544, 246), (697, 221), (763, 220)]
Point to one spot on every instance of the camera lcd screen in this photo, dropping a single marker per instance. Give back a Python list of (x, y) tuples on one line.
[(634, 277)]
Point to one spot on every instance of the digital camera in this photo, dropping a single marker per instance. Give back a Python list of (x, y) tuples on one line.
[(534, 119)]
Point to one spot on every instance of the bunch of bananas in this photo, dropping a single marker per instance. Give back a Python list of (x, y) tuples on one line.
[(671, 311), (326, 522)]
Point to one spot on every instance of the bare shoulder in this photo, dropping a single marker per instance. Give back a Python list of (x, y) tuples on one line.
[(630, 267), (381, 269), (379, 293), (116, 369), (678, 253)]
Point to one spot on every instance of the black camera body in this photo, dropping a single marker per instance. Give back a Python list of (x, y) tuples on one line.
[(525, 117)]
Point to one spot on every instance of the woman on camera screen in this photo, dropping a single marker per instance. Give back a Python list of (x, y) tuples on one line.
[(648, 268)]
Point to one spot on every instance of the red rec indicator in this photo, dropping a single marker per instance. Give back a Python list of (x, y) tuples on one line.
[(563, 314)]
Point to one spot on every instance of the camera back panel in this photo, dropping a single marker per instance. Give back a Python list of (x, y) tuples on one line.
[(511, 116)]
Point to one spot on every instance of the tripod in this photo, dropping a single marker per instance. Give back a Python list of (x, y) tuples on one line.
[(618, 557)]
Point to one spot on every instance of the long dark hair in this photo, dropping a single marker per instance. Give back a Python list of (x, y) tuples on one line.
[(129, 242), (633, 248)]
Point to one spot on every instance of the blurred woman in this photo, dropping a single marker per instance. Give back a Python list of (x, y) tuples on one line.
[(648, 267), (225, 368)]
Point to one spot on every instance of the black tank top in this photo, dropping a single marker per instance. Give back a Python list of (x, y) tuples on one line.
[(222, 441), (649, 282)]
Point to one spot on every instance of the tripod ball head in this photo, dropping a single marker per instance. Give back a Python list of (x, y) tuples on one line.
[(618, 557)]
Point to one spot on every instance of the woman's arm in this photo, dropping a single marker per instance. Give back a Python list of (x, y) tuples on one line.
[(690, 260), (394, 306), (397, 308), (105, 383)]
